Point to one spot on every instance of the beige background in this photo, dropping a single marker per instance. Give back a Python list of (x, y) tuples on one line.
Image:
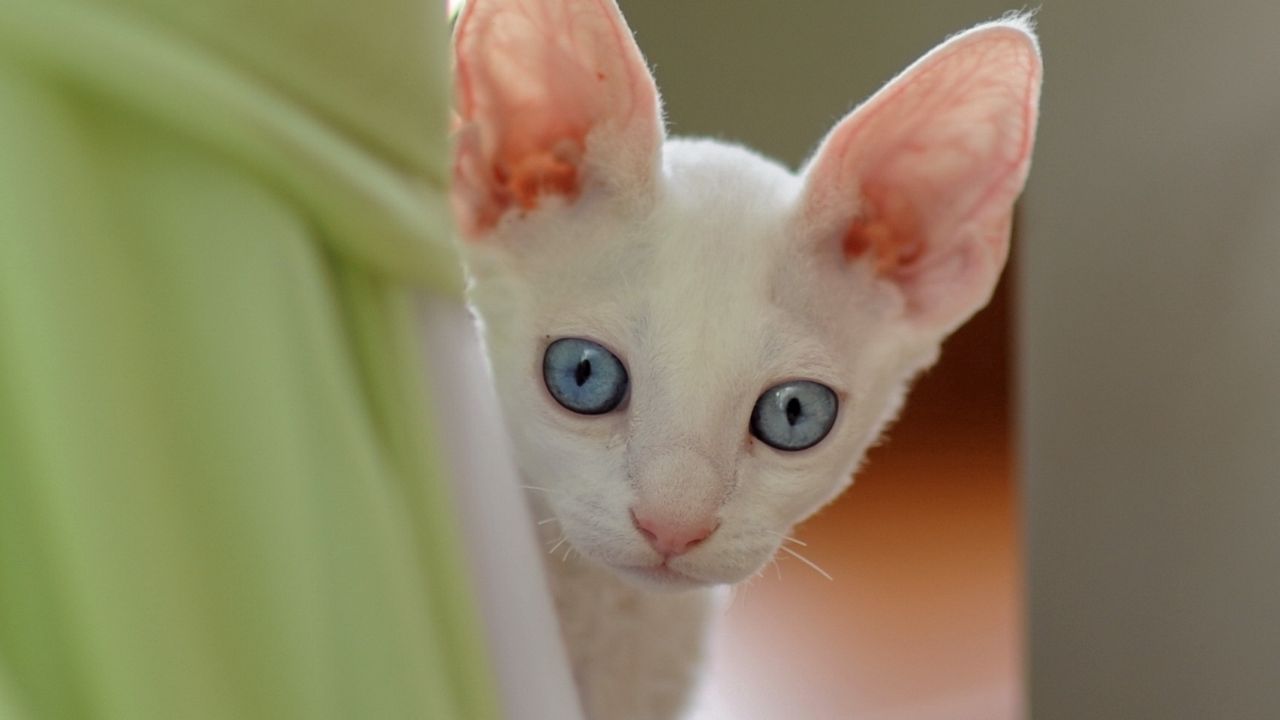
[(1151, 362)]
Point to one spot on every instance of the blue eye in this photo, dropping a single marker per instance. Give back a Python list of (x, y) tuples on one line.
[(794, 415), (583, 376)]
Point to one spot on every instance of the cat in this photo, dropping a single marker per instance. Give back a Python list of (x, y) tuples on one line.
[(692, 345)]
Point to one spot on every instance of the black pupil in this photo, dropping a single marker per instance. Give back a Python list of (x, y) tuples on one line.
[(582, 372), (793, 410)]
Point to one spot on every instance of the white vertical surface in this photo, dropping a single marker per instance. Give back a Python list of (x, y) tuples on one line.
[(522, 632)]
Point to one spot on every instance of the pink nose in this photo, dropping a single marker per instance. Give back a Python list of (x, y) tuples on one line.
[(671, 538)]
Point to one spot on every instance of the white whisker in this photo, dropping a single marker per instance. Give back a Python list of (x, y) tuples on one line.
[(567, 550), (544, 521), (563, 539), (548, 491), (776, 566), (738, 595), (806, 561), (788, 538)]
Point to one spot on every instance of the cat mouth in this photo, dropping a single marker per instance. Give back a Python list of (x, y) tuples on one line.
[(663, 575)]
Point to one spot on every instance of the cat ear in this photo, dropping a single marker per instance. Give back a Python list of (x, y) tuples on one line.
[(551, 96), (919, 182)]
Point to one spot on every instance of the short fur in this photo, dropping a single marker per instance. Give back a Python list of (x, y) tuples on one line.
[(713, 274)]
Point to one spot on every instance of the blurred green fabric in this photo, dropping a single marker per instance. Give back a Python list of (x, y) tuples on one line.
[(218, 492)]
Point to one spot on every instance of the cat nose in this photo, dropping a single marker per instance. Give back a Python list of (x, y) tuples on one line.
[(673, 537)]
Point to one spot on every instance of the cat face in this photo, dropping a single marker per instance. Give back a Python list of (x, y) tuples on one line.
[(693, 345)]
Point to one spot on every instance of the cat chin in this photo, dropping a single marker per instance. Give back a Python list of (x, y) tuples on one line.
[(665, 579), (661, 578)]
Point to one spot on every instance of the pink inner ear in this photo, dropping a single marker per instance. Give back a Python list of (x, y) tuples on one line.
[(922, 177), (535, 79), (529, 167), (887, 231)]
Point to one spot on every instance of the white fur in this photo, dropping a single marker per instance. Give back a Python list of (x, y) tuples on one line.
[(709, 303), (709, 283)]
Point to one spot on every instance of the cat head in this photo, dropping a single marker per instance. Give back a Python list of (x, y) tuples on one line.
[(693, 345)]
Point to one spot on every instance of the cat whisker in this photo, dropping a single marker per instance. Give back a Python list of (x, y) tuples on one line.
[(563, 539), (738, 594), (544, 521), (806, 561), (548, 491), (567, 551), (787, 538), (776, 566)]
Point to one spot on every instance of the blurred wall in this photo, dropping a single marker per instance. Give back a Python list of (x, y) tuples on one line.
[(775, 75), (1150, 351)]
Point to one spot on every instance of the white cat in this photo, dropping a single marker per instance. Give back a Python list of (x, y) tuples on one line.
[(692, 345)]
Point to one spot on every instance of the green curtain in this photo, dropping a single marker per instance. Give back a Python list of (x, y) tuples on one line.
[(219, 496)]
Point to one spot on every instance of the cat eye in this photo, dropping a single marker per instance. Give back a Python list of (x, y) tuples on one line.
[(583, 376), (794, 415)]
